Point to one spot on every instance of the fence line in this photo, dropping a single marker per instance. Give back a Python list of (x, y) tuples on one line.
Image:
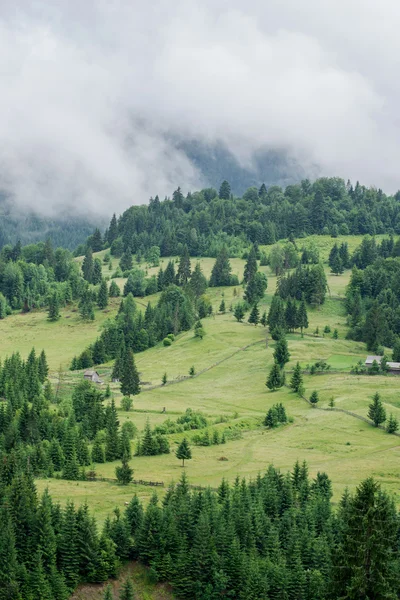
[(343, 410), (216, 364)]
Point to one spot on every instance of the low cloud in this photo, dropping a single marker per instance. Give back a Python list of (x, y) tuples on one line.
[(93, 93)]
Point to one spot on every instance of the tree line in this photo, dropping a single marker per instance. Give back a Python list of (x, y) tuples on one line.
[(208, 219)]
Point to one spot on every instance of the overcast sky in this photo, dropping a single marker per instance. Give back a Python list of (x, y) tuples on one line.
[(90, 88)]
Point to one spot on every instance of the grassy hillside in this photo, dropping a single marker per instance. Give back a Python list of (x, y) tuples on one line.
[(232, 363)]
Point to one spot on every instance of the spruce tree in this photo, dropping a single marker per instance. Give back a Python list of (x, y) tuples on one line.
[(239, 312), (392, 424), (221, 271), (184, 269), (114, 292), (32, 381), (54, 307), (250, 268), (274, 380), (184, 452), (129, 376), (102, 297), (87, 265), (225, 190), (43, 369), (127, 592), (396, 351), (86, 306), (222, 308), (365, 561), (314, 397), (302, 317), (98, 455), (296, 382), (108, 595), (198, 283), (112, 433), (254, 317), (281, 352), (124, 473), (263, 319), (291, 315), (376, 412), (8, 557), (126, 262)]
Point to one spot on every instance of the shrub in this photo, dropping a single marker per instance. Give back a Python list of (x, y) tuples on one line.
[(126, 403), (167, 341)]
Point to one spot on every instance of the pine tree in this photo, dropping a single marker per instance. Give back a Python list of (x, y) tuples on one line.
[(198, 283), (98, 455), (127, 592), (274, 380), (365, 563), (129, 377), (87, 265), (184, 452), (302, 317), (376, 412), (32, 382), (43, 369), (71, 465), (263, 319), (239, 312), (112, 433), (254, 317), (8, 557), (250, 268), (54, 307), (296, 382), (281, 352), (392, 424), (221, 271), (222, 308), (225, 190), (291, 315), (112, 233), (67, 547), (396, 351), (96, 241), (126, 262), (102, 297), (86, 306), (124, 473), (314, 397), (114, 292), (184, 270), (108, 595)]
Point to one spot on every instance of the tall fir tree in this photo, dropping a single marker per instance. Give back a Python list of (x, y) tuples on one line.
[(296, 382), (87, 265), (250, 268), (376, 411), (184, 451), (129, 378), (281, 352), (102, 297), (254, 317), (54, 307), (184, 269)]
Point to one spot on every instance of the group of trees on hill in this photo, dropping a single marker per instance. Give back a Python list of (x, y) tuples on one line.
[(373, 294), (274, 537), (209, 219)]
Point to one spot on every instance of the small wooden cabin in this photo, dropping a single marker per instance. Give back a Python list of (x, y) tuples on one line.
[(393, 367), (92, 376)]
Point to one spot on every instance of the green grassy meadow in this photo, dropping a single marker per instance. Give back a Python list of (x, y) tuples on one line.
[(232, 363)]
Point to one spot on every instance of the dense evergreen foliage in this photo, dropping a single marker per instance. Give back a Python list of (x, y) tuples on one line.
[(207, 220), (274, 537)]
